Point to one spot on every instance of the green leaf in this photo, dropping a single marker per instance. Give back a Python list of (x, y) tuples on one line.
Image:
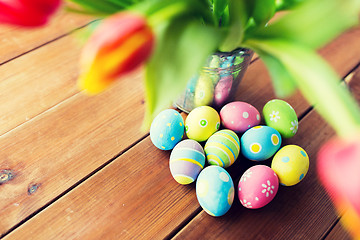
[(262, 11), (103, 6), (287, 4), (238, 17), (317, 82), (181, 50), (314, 23), (219, 7), (283, 82)]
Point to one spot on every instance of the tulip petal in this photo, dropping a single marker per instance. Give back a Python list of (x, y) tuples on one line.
[(122, 43)]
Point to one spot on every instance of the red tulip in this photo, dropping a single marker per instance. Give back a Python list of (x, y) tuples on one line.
[(119, 45), (339, 170), (28, 13)]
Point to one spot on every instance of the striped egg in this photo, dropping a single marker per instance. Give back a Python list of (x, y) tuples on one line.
[(222, 148), (187, 159)]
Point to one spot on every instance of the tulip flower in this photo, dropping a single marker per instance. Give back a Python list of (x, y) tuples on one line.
[(119, 45), (27, 13), (338, 168)]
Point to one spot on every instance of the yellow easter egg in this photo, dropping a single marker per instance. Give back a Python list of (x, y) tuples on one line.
[(204, 91), (290, 163), (201, 123)]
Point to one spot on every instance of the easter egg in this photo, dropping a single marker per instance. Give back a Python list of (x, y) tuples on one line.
[(222, 90), (204, 90), (239, 116), (187, 159), (280, 115), (290, 163), (215, 190), (201, 123), (167, 129), (257, 186), (222, 148), (260, 143)]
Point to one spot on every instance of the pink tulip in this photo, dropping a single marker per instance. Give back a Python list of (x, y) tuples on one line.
[(27, 13), (339, 171), (120, 44)]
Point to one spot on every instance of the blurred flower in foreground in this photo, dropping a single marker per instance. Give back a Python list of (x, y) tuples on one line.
[(338, 168), (120, 44), (27, 13)]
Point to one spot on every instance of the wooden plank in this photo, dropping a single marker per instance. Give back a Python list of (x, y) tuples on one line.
[(291, 215), (353, 81), (63, 145), (147, 196), (16, 40), (294, 211), (338, 233), (37, 81)]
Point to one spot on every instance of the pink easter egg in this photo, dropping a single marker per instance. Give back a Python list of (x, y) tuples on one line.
[(257, 186), (239, 116), (222, 90)]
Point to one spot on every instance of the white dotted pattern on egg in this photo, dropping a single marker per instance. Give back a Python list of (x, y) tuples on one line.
[(215, 190)]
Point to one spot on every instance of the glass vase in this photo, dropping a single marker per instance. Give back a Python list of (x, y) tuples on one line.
[(217, 82)]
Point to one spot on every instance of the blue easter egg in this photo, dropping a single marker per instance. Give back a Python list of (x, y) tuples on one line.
[(167, 129), (215, 190), (260, 143)]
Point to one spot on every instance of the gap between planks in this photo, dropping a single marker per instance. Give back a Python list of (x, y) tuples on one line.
[(346, 79), (79, 182)]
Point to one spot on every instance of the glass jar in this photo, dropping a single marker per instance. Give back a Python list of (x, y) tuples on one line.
[(217, 82)]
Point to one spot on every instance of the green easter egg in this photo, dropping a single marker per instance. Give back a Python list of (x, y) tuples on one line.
[(280, 115)]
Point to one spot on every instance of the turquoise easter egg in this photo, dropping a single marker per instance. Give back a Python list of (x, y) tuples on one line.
[(167, 129), (222, 148), (260, 143), (215, 190), (187, 159)]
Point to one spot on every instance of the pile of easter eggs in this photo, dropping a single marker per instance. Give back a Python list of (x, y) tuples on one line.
[(208, 150)]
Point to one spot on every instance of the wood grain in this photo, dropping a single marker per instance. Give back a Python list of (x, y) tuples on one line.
[(64, 144), (137, 187), (303, 211), (338, 233), (16, 41)]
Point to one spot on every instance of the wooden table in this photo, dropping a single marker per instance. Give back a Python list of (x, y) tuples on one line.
[(79, 167)]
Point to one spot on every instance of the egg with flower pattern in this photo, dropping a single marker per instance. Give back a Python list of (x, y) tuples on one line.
[(257, 187), (291, 163), (215, 190), (187, 159), (167, 129), (281, 116), (201, 123), (260, 143)]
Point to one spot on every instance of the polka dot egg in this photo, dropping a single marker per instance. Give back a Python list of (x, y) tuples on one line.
[(257, 186), (260, 143), (215, 190), (291, 163), (201, 123), (280, 115), (222, 148), (167, 129), (239, 116), (187, 159)]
